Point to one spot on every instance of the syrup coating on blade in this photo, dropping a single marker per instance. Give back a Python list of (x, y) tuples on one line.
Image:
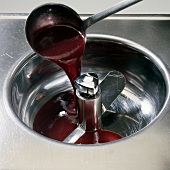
[(98, 136)]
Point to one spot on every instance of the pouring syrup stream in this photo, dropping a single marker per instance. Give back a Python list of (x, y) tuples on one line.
[(57, 33)]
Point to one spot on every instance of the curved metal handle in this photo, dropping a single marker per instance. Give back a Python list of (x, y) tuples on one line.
[(116, 8)]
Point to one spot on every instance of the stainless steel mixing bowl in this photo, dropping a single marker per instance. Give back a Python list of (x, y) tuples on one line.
[(140, 113), (36, 80)]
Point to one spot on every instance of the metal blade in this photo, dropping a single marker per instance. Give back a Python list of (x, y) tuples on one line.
[(75, 135), (111, 86)]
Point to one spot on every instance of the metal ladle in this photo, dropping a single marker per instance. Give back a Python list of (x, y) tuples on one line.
[(59, 14), (101, 15)]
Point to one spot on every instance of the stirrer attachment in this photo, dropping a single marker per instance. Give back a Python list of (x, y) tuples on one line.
[(90, 96)]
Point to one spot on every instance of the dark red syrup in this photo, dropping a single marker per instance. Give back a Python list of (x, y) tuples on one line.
[(58, 117), (63, 45), (98, 136)]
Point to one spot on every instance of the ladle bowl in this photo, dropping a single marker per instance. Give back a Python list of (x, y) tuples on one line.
[(51, 14)]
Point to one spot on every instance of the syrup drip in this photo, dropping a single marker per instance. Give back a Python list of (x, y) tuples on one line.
[(64, 46)]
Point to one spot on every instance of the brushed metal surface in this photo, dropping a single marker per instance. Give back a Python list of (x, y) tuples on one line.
[(37, 80), (21, 148)]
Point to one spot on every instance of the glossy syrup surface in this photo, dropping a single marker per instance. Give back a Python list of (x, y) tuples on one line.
[(98, 136), (58, 118), (63, 45)]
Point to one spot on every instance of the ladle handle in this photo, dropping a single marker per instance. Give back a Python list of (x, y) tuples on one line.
[(116, 8)]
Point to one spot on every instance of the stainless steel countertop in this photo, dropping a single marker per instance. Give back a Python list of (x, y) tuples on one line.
[(20, 148)]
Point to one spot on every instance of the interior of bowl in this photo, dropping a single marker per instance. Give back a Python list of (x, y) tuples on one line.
[(140, 103)]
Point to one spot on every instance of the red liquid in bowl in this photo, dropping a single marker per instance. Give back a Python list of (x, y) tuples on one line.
[(58, 117), (98, 136)]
